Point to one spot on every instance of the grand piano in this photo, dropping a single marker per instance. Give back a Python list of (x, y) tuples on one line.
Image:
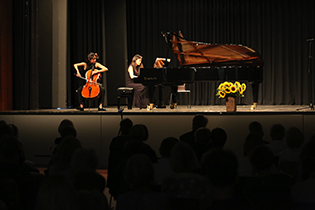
[(207, 62)]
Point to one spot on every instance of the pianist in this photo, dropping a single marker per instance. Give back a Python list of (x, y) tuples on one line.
[(141, 92)]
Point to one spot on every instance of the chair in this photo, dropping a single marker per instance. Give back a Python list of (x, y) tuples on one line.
[(125, 92), (182, 89)]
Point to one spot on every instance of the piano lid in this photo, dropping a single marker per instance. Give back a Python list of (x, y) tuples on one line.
[(191, 53)]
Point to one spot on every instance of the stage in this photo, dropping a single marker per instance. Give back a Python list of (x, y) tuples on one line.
[(211, 109), (38, 128)]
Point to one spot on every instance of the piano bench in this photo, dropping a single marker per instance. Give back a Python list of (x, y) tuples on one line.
[(125, 92)]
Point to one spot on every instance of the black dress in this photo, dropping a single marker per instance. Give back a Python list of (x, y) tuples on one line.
[(141, 93)]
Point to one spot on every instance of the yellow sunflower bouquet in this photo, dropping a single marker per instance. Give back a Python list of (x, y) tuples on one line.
[(227, 89)]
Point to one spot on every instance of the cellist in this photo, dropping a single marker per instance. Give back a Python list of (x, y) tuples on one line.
[(96, 68)]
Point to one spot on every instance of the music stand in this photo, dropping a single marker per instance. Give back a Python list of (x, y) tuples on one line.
[(310, 76)]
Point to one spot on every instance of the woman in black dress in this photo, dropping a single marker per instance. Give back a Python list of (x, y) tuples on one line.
[(141, 92)]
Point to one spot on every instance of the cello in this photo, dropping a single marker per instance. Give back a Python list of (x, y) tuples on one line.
[(92, 88)]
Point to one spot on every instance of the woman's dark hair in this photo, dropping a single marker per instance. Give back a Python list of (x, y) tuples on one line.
[(91, 55)]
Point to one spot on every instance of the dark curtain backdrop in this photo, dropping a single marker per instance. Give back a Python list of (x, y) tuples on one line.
[(276, 29), (85, 35), (25, 55), (6, 98)]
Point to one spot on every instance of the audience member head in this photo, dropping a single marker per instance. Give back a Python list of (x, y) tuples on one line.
[(307, 159), (183, 158), (255, 127), (125, 126), (88, 180), (261, 158), (139, 132), (92, 200), (84, 159), (56, 193), (84, 163), (68, 131), (139, 172), (5, 130), (9, 149), (15, 130), (218, 138), (66, 148), (2, 122), (277, 132), (199, 121), (203, 136), (166, 146), (220, 166), (252, 140), (294, 138), (65, 123)]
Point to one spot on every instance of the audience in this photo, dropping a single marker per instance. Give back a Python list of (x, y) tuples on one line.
[(202, 141), (83, 174), (66, 127), (289, 161), (256, 128), (115, 153), (218, 138), (194, 172), (220, 167), (303, 192), (266, 189), (163, 167), (277, 145), (186, 187), (87, 182), (61, 161), (139, 175), (57, 193), (136, 145), (17, 186), (245, 168), (199, 121), (139, 134), (294, 139)]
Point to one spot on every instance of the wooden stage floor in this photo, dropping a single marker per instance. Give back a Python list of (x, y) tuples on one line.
[(181, 109)]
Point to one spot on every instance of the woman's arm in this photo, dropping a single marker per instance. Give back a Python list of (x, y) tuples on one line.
[(102, 68), (76, 65), (131, 74)]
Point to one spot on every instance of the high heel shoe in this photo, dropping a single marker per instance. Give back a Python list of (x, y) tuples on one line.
[(101, 109), (150, 107), (80, 108)]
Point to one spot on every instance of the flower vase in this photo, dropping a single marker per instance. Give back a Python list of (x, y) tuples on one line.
[(231, 104)]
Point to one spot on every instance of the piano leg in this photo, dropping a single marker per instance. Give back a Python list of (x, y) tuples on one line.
[(173, 99), (255, 88), (151, 96), (161, 103)]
